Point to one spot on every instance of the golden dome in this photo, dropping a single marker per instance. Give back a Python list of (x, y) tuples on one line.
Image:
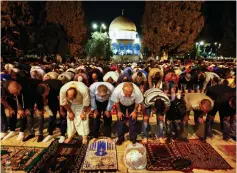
[(122, 23)]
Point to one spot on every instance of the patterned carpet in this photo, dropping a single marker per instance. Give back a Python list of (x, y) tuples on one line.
[(20, 157), (202, 155), (101, 156), (60, 158)]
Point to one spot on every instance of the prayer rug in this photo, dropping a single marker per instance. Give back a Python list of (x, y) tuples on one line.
[(202, 156), (60, 158), (228, 150), (100, 156), (20, 157)]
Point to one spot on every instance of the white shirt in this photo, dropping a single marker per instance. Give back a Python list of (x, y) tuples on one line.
[(83, 97), (94, 95), (118, 96), (111, 74)]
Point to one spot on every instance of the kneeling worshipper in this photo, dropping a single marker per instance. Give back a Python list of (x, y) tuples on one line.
[(75, 98), (127, 97), (101, 104)]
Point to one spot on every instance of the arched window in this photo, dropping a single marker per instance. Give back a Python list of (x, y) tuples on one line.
[(121, 49), (136, 49), (115, 48), (129, 49)]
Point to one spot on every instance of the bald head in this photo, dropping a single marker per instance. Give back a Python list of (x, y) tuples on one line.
[(71, 93), (14, 88), (127, 89)]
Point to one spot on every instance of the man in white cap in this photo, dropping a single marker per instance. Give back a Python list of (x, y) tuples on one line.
[(75, 98)]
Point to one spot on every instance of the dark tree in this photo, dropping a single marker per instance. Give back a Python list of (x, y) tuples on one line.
[(171, 27), (70, 15), (16, 18), (228, 29)]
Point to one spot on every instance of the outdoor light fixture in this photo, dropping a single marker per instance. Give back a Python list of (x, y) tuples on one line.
[(94, 26), (103, 25), (201, 43), (215, 43)]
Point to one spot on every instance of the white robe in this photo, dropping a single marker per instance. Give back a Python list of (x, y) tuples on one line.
[(82, 127), (77, 125)]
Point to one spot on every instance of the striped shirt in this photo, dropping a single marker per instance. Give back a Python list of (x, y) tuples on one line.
[(154, 93)]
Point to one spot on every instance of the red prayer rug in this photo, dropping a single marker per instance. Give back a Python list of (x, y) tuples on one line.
[(202, 156)]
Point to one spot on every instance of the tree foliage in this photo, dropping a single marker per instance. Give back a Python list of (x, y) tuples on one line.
[(70, 15), (171, 25), (16, 18), (99, 46), (228, 39)]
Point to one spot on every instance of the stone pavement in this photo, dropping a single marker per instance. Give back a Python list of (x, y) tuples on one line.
[(214, 142)]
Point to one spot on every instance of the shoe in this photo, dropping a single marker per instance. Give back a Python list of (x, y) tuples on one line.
[(48, 138), (20, 136), (61, 139), (9, 135), (28, 137), (2, 134), (40, 138)]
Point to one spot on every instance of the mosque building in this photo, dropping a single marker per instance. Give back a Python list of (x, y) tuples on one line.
[(125, 40)]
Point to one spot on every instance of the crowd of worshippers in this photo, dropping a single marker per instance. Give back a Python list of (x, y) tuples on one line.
[(82, 91)]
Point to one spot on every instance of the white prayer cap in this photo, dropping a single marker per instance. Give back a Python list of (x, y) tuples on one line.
[(135, 156), (99, 68), (9, 66), (134, 65), (79, 79)]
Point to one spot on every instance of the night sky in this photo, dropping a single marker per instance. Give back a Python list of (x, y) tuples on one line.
[(107, 11), (104, 11)]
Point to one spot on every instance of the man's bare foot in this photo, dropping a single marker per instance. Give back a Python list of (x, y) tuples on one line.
[(93, 140), (144, 140), (84, 140), (68, 140), (162, 141), (110, 140)]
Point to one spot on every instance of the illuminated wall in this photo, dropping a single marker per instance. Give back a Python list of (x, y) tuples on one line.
[(126, 49), (125, 35)]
